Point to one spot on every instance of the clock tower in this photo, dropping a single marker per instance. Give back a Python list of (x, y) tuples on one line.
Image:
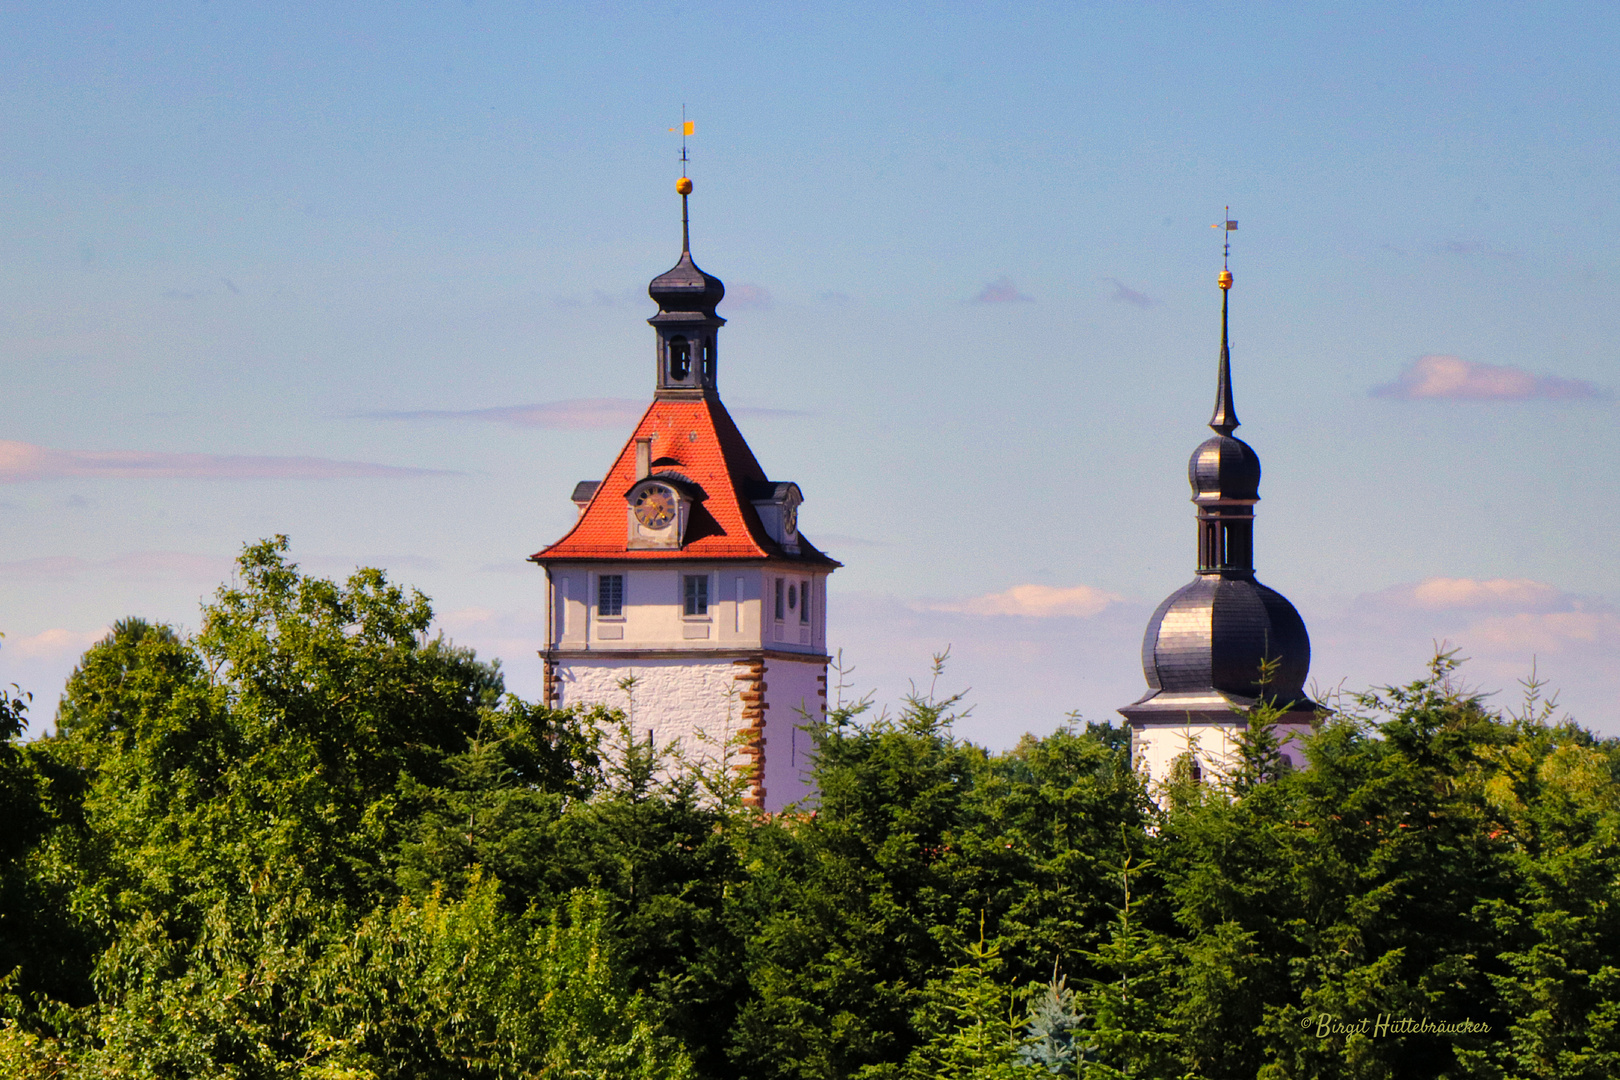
[(685, 592)]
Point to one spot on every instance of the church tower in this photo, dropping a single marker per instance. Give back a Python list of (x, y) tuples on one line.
[(685, 592), (1205, 645)]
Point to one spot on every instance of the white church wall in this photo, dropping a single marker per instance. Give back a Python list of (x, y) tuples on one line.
[(1156, 747), (688, 699), (794, 697)]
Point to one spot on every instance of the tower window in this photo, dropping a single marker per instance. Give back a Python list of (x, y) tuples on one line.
[(697, 594), (708, 360), (610, 595), (804, 602), (781, 611), (680, 359)]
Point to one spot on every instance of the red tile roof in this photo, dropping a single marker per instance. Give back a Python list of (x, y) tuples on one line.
[(706, 447)]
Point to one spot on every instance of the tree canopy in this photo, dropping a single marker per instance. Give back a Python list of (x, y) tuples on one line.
[(313, 840)]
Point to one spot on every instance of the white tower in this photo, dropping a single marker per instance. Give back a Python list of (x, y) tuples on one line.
[(686, 569)]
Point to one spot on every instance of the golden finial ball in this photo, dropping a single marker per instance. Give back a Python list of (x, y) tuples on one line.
[(684, 186), (1226, 279)]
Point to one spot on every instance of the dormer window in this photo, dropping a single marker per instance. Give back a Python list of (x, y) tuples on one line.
[(778, 506), (680, 359), (659, 507)]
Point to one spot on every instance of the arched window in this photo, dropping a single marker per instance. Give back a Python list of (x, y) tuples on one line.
[(680, 359), (708, 360)]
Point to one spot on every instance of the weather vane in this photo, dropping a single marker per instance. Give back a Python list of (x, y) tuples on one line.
[(686, 129), (1226, 224)]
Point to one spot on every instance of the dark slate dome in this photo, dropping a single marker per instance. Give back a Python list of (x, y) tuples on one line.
[(686, 288), (1212, 634), (1224, 467)]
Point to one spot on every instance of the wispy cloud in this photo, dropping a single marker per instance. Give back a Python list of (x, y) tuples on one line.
[(1495, 615), (1124, 294), (574, 414), (1504, 627), (1468, 594), (1001, 291), (143, 563), (21, 461), (601, 298), (1475, 247), (56, 644), (1452, 377), (1034, 601), (746, 297), (1552, 632), (825, 540)]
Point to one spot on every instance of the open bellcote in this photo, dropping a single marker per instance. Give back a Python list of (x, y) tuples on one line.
[(686, 324)]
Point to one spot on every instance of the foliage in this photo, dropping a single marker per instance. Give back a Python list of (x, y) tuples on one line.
[(312, 840)]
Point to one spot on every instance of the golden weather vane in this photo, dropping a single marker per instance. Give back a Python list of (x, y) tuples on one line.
[(686, 129)]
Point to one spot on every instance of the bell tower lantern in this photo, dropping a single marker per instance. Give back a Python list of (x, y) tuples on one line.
[(688, 328)]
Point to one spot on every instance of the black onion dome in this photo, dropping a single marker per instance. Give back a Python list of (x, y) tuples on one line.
[(1222, 468), (686, 288), (1212, 634)]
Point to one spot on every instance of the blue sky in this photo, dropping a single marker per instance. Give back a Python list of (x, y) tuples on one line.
[(375, 277)]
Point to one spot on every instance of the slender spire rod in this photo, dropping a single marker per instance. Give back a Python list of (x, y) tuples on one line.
[(1224, 420), (684, 184)]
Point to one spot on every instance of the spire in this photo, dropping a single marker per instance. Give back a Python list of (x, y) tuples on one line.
[(684, 186), (1224, 419)]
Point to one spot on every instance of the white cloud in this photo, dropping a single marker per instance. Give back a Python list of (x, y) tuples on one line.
[(55, 644), (1442, 593), (574, 414), (1035, 601), (1504, 628), (1551, 632), (1452, 377), (21, 461)]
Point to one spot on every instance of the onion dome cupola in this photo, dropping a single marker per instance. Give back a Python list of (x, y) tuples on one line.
[(1205, 645), (688, 328)]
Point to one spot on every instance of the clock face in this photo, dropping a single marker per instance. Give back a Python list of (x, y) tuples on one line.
[(790, 520), (655, 507)]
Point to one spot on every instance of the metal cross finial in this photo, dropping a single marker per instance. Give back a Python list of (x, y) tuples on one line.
[(1229, 227), (1225, 417), (684, 185)]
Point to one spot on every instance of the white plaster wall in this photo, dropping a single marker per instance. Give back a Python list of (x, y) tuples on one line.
[(742, 603), (687, 700), (790, 686), (654, 608), (1157, 747), (791, 633)]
